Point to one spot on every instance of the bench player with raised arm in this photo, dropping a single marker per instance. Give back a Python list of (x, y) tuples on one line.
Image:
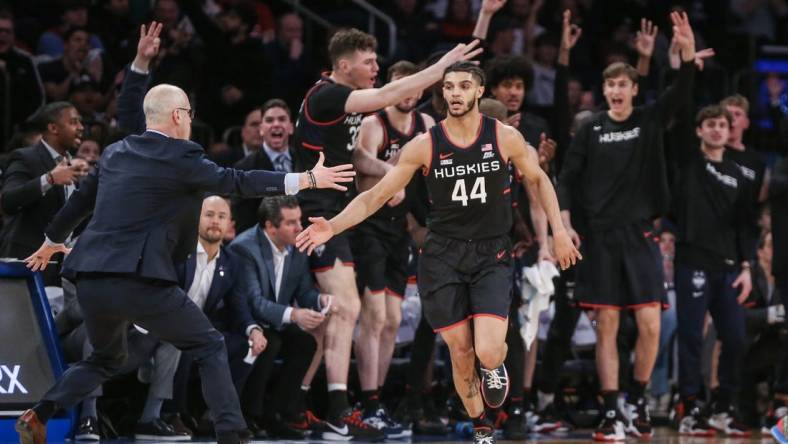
[(328, 123), (381, 247), (465, 270)]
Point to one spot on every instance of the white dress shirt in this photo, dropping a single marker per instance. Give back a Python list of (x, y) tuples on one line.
[(203, 276), (279, 266)]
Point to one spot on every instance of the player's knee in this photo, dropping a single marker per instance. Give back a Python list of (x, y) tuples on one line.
[(392, 322), (372, 321), (463, 356), (649, 328), (607, 322), (490, 357), (349, 310)]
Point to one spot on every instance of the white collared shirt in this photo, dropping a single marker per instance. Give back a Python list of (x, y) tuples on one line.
[(203, 276), (274, 155), (279, 267)]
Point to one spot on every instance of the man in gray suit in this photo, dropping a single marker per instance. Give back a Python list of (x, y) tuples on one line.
[(272, 277), (145, 197)]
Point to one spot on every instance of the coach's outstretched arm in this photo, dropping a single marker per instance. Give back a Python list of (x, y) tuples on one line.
[(373, 99), (416, 154)]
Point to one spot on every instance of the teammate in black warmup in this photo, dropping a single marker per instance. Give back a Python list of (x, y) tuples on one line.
[(711, 262), (465, 270), (381, 247), (328, 122), (616, 167)]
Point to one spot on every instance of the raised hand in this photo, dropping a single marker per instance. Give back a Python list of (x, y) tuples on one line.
[(461, 53), (570, 33), (39, 260), (148, 46), (330, 177), (645, 38), (682, 32), (314, 235), (492, 6)]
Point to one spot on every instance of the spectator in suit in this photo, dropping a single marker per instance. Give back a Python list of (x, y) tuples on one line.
[(251, 141), (273, 277), (38, 180), (209, 278), (24, 84), (276, 127)]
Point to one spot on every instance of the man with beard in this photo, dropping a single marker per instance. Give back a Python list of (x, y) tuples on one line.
[(37, 182), (465, 269), (275, 129), (381, 247), (712, 255), (328, 124)]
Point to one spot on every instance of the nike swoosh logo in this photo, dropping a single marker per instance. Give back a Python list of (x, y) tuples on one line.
[(341, 431), (445, 156), (500, 255)]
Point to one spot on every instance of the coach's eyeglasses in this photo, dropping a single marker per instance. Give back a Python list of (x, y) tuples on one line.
[(188, 110)]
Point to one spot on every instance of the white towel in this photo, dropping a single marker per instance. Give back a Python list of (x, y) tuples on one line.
[(537, 287)]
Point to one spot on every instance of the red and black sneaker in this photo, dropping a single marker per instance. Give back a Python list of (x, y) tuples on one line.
[(350, 426)]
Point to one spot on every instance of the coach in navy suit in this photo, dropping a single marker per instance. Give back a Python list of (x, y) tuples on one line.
[(273, 277), (145, 196)]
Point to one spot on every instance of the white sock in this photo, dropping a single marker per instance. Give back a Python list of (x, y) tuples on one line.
[(333, 387)]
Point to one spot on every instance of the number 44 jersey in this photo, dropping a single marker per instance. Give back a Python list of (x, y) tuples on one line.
[(469, 187)]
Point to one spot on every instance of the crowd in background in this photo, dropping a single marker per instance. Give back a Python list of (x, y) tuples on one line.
[(247, 65)]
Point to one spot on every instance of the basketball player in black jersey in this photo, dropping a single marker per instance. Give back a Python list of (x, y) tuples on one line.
[(381, 247), (465, 271), (328, 123)]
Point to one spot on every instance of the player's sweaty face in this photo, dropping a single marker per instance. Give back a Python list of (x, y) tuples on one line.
[(461, 92), (363, 67)]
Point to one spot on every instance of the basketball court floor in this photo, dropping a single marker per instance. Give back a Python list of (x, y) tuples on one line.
[(662, 436)]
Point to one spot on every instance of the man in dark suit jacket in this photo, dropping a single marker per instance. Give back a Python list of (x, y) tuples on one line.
[(123, 261), (209, 277), (273, 275), (37, 180), (275, 155), (251, 141)]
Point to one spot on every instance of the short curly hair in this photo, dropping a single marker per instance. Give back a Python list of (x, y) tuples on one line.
[(346, 41), (509, 67)]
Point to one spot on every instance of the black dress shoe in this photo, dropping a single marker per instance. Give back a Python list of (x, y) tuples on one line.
[(88, 430), (158, 430), (176, 422)]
